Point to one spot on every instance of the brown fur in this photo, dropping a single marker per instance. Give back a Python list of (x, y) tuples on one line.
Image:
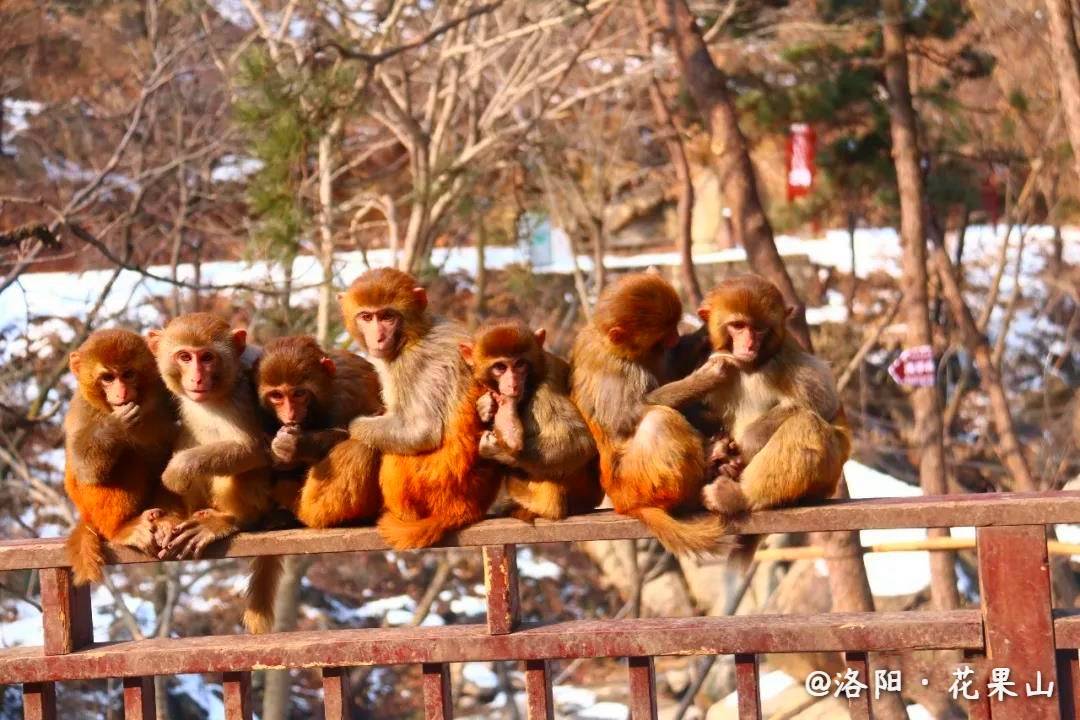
[(782, 411), (220, 467), (652, 462), (113, 468), (553, 474)]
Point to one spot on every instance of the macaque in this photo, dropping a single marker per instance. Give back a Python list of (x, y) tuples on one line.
[(308, 396), (431, 476), (220, 466), (778, 403), (119, 432), (652, 461), (536, 432)]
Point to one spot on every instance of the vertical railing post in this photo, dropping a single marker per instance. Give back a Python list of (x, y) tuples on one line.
[(67, 626), (438, 702), (337, 700), (1068, 667), (748, 686), (139, 698), (236, 687), (859, 704), (1014, 583), (538, 690), (501, 581), (642, 688)]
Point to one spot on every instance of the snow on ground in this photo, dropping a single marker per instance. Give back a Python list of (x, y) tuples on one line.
[(605, 711), (16, 114), (207, 696), (771, 684), (481, 675), (529, 566)]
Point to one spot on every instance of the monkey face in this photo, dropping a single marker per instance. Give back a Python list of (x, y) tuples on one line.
[(509, 376), (746, 339), (380, 329), (119, 385), (290, 404), (199, 369)]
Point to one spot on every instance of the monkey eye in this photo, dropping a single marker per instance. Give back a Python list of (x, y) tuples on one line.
[(184, 356), (108, 377), (365, 316), (127, 375), (300, 393), (206, 357), (276, 395), (520, 363), (737, 325), (385, 315), (499, 368)]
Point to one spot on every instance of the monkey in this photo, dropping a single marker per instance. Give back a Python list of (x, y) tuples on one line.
[(119, 432), (537, 433), (652, 461), (777, 402), (308, 396), (431, 476), (220, 467)]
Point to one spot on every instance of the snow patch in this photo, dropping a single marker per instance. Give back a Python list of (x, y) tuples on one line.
[(537, 569)]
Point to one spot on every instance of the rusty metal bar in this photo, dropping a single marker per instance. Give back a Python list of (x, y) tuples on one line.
[(438, 702), (836, 632), (501, 582), (642, 687), (337, 698), (1014, 583), (748, 686), (859, 703), (139, 698), (1068, 668), (988, 509), (541, 706), (236, 687), (65, 612), (39, 701)]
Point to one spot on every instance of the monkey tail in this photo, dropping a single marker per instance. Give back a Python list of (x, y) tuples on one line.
[(261, 590), (402, 534), (702, 535), (84, 551)]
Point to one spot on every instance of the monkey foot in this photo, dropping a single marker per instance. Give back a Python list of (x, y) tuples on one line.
[(141, 534), (724, 497), (524, 515), (190, 538)]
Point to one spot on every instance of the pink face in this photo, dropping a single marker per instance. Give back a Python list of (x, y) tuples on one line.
[(118, 386), (746, 339), (290, 404), (198, 371), (380, 328), (510, 376)]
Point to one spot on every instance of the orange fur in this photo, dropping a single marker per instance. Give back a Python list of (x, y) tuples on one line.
[(429, 494)]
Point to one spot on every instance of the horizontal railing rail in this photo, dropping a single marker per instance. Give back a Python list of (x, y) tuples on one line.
[(1015, 626)]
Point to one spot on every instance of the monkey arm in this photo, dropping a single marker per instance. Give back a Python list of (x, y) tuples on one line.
[(758, 432), (557, 437), (227, 457), (93, 450), (314, 446), (398, 434)]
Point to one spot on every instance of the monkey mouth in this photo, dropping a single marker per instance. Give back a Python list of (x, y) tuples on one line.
[(197, 395)]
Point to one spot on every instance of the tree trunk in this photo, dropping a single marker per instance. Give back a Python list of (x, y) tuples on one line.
[(665, 123), (326, 231), (286, 609), (928, 433), (707, 84), (708, 87), (481, 271), (1063, 49)]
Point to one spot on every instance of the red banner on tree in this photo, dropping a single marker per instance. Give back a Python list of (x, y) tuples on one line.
[(800, 160)]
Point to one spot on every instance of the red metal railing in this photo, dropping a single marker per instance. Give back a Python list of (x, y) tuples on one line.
[(1015, 626)]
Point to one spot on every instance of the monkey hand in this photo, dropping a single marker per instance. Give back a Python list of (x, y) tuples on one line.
[(491, 448), (716, 369), (485, 407), (190, 538), (285, 445), (141, 534), (127, 414), (725, 459), (163, 524)]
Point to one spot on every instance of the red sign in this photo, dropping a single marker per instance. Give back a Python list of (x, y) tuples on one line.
[(800, 160), (914, 367)]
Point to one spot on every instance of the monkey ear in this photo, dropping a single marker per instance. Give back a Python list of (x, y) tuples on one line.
[(328, 365), (74, 360), (466, 352), (703, 313), (420, 294), (239, 339), (617, 334), (790, 311), (153, 340), (541, 336)]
